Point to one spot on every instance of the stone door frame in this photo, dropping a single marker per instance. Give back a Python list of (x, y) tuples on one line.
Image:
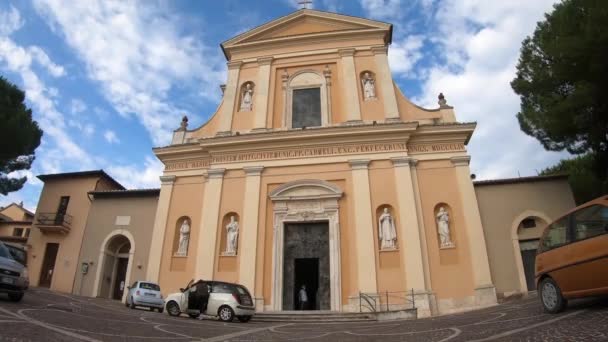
[(306, 201)]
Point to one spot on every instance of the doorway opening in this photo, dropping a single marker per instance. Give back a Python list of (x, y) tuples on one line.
[(306, 262), (114, 268), (306, 273), (48, 264)]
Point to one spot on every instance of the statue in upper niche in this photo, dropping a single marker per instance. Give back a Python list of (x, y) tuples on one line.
[(369, 87), (247, 99)]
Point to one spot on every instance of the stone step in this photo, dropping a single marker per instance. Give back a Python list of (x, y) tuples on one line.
[(313, 316)]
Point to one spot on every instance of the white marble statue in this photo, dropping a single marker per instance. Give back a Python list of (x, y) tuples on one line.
[(443, 228), (369, 87), (247, 99), (184, 238), (232, 236), (387, 232)]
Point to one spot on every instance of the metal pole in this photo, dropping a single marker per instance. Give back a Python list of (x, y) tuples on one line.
[(360, 309), (386, 301), (413, 300)]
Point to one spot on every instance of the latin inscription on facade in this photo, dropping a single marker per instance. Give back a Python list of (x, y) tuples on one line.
[(308, 152), (433, 148), (285, 154)]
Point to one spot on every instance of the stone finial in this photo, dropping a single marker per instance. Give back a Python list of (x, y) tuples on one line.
[(442, 101), (184, 124)]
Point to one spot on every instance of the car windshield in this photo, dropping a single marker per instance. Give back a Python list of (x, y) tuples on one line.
[(149, 286), (4, 253), (17, 254)]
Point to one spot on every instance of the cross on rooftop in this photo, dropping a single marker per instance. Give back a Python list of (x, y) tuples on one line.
[(304, 3)]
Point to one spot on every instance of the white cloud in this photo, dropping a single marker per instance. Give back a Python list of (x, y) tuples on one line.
[(136, 176), (77, 106), (10, 21), (403, 55), (382, 9), (111, 137), (478, 43), (20, 60), (43, 59), (138, 53)]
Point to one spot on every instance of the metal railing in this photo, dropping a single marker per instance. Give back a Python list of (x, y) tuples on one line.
[(54, 219), (387, 301)]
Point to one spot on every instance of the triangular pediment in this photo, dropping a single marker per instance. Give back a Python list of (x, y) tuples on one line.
[(304, 23)]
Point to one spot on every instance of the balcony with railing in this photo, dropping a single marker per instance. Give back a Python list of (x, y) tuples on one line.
[(54, 222)]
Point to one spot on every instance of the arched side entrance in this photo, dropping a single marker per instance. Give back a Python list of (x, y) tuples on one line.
[(114, 265), (526, 231), (296, 206)]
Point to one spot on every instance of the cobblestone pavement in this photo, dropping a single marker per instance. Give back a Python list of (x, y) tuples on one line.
[(48, 316)]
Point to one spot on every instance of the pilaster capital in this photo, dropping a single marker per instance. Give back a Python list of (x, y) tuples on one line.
[(359, 164), (379, 50), (253, 170), (346, 52), (265, 60), (215, 173), (404, 161), (234, 65), (460, 160), (167, 180)]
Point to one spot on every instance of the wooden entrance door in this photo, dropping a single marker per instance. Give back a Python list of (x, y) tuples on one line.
[(121, 275), (48, 264)]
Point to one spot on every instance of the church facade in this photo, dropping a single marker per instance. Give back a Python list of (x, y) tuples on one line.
[(316, 170)]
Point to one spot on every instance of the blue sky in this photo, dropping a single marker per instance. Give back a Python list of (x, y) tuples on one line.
[(108, 80)]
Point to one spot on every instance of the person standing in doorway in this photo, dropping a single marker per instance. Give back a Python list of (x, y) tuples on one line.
[(303, 298)]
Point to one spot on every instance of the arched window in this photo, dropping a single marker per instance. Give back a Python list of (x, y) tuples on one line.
[(306, 102)]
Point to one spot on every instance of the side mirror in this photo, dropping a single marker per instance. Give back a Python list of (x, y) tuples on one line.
[(182, 289), (128, 287)]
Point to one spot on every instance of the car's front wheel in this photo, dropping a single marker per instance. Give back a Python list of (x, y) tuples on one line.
[(551, 296), (132, 305), (16, 297), (226, 314), (244, 319), (173, 309)]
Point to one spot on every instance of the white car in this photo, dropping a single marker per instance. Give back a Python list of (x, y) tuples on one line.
[(145, 293), (225, 300)]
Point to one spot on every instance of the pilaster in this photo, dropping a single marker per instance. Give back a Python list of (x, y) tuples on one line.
[(249, 232), (230, 96), (160, 227), (389, 98), (363, 222), (349, 84), (208, 227), (485, 293), (260, 105)]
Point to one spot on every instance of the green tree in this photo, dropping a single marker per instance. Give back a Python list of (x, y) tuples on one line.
[(562, 80), (584, 183), (19, 136)]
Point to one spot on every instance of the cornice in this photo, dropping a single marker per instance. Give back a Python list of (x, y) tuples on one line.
[(167, 180), (404, 161), (253, 170), (265, 60), (215, 173), (403, 129), (460, 160), (359, 164), (234, 65), (346, 52), (379, 50)]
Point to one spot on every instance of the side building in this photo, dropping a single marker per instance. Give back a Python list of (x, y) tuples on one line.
[(15, 223), (59, 225)]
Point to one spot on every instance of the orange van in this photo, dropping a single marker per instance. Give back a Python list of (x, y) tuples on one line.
[(572, 259)]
